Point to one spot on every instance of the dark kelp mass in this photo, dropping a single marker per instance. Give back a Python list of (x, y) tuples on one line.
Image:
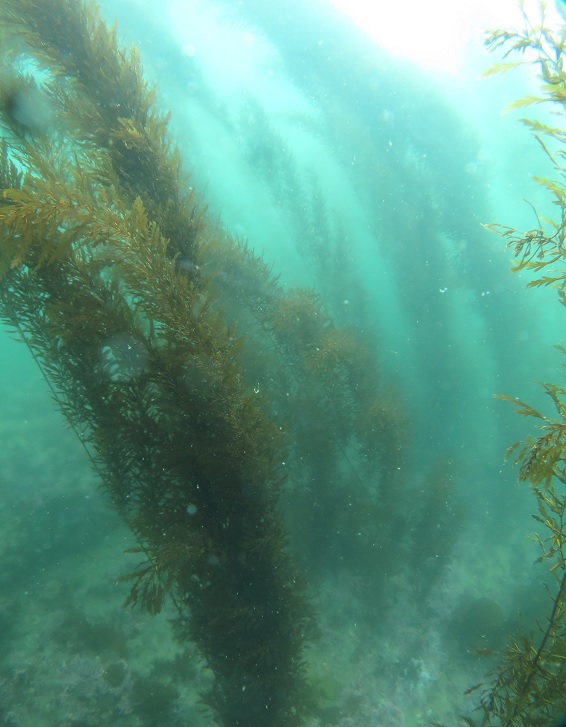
[(109, 273), (98, 262)]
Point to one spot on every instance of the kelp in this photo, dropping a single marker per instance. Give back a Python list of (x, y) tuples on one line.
[(93, 228), (349, 433), (202, 390), (528, 687)]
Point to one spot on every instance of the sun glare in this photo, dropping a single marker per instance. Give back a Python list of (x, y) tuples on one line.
[(437, 34)]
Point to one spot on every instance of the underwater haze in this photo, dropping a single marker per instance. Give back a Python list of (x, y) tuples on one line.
[(360, 176)]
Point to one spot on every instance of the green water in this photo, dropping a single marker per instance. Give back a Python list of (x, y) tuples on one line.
[(366, 179)]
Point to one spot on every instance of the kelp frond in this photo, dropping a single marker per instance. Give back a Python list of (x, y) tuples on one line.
[(528, 688), (100, 277)]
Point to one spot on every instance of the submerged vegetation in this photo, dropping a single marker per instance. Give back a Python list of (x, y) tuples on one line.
[(207, 397), (99, 276), (528, 688), (251, 443)]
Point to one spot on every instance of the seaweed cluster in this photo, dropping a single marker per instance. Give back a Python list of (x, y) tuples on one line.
[(99, 276), (203, 392), (528, 687)]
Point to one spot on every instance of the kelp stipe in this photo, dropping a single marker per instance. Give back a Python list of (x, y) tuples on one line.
[(100, 276), (528, 688)]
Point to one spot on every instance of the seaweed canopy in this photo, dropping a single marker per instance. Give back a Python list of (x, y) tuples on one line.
[(99, 264)]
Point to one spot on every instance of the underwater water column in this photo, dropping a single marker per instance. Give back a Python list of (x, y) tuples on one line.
[(100, 277)]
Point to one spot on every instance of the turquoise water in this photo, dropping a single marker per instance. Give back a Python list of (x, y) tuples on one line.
[(366, 179)]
